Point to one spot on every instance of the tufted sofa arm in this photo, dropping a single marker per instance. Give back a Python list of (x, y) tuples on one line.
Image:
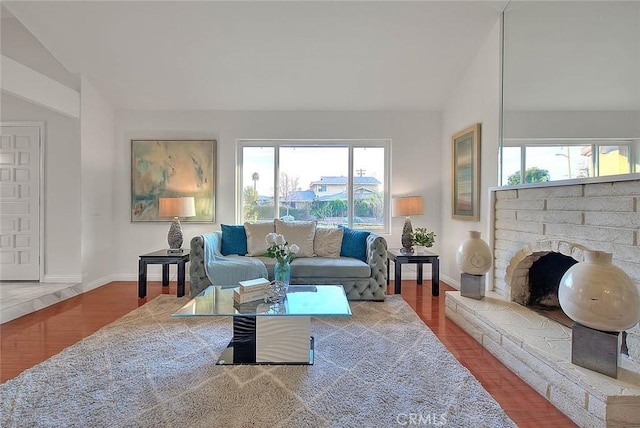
[(198, 279), (377, 261)]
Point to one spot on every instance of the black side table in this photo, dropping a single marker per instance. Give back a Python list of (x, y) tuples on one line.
[(399, 258), (164, 258)]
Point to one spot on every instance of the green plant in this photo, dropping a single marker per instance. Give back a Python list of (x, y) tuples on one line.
[(531, 175), (420, 236)]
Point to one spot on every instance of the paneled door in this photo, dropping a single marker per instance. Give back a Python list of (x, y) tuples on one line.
[(20, 203)]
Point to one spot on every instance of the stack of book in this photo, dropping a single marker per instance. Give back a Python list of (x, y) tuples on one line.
[(250, 290)]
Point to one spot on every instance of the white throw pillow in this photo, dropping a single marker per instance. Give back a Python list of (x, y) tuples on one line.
[(328, 242), (256, 234), (300, 233)]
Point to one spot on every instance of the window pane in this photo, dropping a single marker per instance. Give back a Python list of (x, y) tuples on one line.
[(368, 188), (613, 160), (511, 166), (310, 181), (258, 176), (313, 184), (550, 163)]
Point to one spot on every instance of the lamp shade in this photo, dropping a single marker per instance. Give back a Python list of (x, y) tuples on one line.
[(407, 205), (177, 207)]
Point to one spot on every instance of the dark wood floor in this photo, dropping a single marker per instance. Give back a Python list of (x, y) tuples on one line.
[(33, 338)]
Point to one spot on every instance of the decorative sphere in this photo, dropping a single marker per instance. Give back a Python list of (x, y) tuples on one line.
[(599, 295), (474, 255)]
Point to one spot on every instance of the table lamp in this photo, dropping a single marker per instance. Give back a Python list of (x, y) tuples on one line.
[(407, 206), (176, 208)]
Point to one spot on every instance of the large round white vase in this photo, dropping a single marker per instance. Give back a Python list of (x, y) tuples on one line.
[(474, 255), (599, 295)]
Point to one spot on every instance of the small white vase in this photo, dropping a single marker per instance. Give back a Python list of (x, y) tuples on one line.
[(599, 295), (474, 255)]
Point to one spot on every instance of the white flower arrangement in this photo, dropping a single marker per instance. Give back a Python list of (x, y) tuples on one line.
[(280, 249)]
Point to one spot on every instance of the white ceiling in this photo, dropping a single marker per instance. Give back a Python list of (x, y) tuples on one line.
[(262, 55)]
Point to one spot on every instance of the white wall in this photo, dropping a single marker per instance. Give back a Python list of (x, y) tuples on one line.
[(475, 99), (97, 138), (62, 232), (61, 187), (572, 124), (20, 45), (415, 167)]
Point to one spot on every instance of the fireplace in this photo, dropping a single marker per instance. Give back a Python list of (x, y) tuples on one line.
[(536, 273), (555, 223), (544, 280)]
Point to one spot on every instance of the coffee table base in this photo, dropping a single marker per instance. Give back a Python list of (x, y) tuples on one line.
[(228, 355), (270, 340)]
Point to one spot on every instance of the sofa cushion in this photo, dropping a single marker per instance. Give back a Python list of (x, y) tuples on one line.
[(234, 240), (300, 233), (323, 267), (354, 243), (256, 234), (328, 242)]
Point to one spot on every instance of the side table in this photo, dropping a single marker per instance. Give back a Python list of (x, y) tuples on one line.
[(398, 258), (164, 258)]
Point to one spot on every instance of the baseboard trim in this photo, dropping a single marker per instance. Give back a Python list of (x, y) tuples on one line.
[(97, 283), (450, 281), (62, 279)]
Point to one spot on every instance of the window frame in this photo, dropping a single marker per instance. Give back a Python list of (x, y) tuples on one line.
[(595, 143), (351, 144)]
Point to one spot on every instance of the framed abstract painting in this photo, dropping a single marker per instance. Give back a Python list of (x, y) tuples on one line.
[(466, 173), (171, 169)]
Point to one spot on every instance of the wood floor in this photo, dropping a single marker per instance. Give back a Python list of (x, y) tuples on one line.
[(33, 338)]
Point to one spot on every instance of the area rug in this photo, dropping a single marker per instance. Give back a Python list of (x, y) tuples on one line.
[(381, 367)]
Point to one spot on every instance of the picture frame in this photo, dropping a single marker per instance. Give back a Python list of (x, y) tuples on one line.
[(172, 168), (466, 174)]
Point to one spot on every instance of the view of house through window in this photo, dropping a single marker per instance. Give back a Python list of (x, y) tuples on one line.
[(539, 161), (334, 183)]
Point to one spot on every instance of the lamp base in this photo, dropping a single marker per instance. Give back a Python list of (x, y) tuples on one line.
[(407, 237), (175, 251), (174, 238)]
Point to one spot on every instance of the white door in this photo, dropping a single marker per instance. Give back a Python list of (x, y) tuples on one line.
[(20, 203)]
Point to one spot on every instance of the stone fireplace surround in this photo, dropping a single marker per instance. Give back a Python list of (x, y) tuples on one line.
[(527, 223)]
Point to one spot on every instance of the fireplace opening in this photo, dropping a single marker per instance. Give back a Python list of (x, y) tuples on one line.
[(544, 280)]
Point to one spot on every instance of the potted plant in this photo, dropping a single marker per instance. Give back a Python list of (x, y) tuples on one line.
[(422, 238)]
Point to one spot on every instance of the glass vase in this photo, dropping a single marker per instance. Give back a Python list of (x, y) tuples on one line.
[(282, 273)]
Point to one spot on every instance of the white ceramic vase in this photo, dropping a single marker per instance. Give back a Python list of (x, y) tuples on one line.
[(599, 295), (474, 255)]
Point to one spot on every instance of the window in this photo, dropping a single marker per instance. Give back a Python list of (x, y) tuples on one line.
[(534, 161), (333, 182)]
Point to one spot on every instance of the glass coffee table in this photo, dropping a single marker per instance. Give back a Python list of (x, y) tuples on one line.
[(270, 333)]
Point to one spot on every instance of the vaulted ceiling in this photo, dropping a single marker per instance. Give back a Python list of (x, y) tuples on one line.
[(262, 55)]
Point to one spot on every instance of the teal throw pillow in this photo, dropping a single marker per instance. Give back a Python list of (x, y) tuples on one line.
[(234, 240), (354, 243)]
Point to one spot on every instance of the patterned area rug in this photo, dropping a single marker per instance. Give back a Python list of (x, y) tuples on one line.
[(382, 367)]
